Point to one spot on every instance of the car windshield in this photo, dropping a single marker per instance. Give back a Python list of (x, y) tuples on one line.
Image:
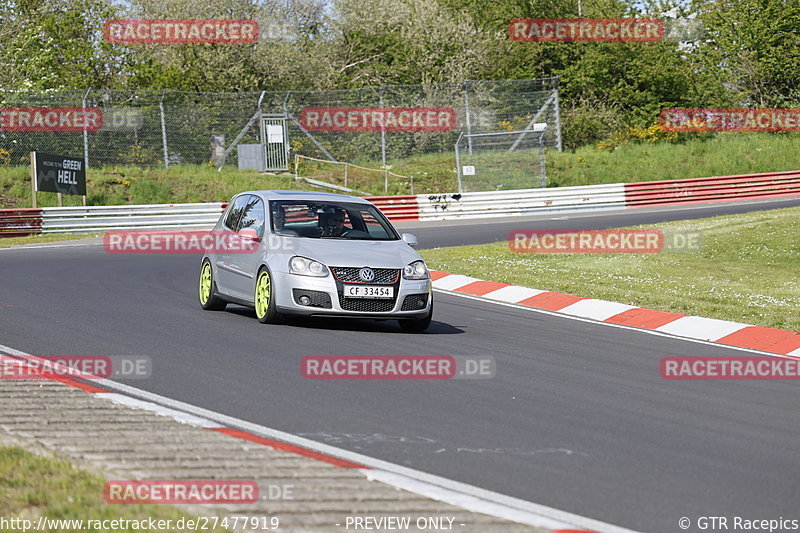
[(330, 220)]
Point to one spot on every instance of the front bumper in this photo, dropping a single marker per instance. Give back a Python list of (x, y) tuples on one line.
[(328, 291)]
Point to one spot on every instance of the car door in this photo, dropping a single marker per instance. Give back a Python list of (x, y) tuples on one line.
[(245, 265), (226, 279)]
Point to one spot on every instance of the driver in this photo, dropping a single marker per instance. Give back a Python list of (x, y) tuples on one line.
[(334, 224), (278, 218)]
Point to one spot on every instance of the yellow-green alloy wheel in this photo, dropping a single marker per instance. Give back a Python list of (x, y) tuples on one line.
[(264, 301), (207, 289)]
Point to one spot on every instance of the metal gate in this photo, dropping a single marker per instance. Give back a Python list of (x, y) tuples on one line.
[(275, 139)]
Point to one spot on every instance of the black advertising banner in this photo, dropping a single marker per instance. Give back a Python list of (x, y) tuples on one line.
[(59, 173)]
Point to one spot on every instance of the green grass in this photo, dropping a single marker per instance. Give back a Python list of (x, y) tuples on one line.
[(32, 486), (720, 155), (7, 242), (135, 185), (745, 272)]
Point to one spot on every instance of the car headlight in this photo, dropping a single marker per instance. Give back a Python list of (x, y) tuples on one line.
[(307, 267), (416, 270)]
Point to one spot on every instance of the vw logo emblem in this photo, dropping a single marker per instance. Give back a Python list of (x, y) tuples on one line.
[(366, 274)]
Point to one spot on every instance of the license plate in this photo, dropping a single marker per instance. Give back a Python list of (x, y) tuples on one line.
[(368, 291)]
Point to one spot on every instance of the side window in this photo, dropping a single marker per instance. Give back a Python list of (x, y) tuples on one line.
[(373, 227), (253, 216), (232, 221)]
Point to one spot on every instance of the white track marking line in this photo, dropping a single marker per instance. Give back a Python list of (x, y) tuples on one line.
[(468, 497), (622, 326)]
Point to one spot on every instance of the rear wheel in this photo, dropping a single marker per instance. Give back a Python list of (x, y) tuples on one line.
[(208, 288), (266, 311), (417, 325)]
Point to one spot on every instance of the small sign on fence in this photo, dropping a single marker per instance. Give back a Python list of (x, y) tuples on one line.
[(468, 170), (59, 174)]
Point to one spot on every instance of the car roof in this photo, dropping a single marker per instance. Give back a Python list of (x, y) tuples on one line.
[(306, 195)]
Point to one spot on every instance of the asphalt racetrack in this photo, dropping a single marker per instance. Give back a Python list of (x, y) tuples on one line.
[(576, 418)]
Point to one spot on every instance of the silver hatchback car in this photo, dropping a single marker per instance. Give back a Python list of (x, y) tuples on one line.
[(317, 254)]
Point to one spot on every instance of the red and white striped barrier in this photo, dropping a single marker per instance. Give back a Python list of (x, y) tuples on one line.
[(714, 189), (20, 222), (397, 207)]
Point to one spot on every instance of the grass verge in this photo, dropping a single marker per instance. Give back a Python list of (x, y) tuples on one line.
[(8, 242), (745, 272), (135, 185), (32, 486)]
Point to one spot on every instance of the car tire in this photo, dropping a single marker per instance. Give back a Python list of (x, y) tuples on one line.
[(264, 298), (417, 325), (207, 289)]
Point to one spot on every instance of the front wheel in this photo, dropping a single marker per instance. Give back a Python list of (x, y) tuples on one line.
[(266, 311), (207, 289), (417, 325)]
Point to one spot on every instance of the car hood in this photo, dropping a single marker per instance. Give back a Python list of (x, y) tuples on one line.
[(337, 252)]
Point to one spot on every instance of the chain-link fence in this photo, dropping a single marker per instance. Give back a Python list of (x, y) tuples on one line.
[(501, 160), (375, 125)]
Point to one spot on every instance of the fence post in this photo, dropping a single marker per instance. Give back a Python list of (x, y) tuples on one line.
[(542, 162), (164, 129), (558, 119), (383, 130), (296, 167), (345, 173), (469, 122), (458, 162), (85, 131)]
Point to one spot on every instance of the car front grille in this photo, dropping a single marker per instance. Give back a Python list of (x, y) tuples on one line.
[(383, 276), (414, 302), (367, 305), (318, 298)]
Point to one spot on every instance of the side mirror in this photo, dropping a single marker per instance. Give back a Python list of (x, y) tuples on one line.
[(410, 239), (248, 235)]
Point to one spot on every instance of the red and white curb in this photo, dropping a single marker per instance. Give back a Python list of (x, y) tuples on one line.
[(775, 341), (468, 497)]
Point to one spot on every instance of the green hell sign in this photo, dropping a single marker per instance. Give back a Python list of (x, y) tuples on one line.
[(58, 173)]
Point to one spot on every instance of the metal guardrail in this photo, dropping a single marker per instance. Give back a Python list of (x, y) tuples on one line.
[(15, 222), (20, 222), (519, 202), (121, 217)]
